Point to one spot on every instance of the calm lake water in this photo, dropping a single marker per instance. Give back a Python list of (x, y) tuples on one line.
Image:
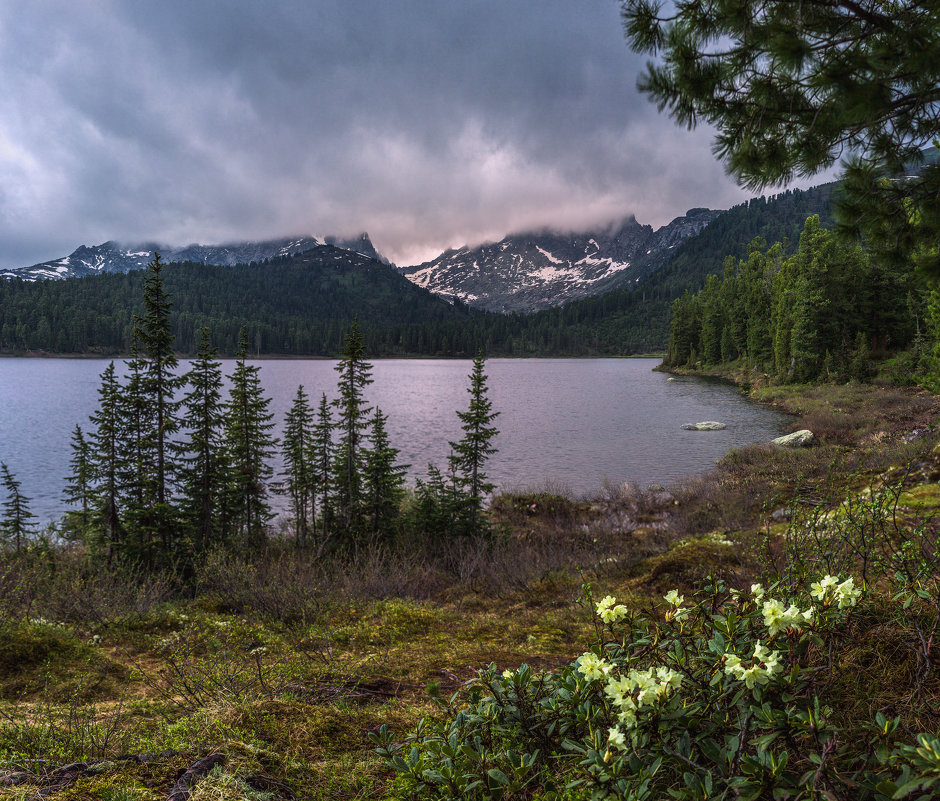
[(572, 424)]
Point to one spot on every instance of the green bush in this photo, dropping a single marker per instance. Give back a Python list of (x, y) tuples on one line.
[(728, 697), (28, 643)]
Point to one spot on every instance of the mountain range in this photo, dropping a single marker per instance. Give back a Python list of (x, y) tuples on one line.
[(302, 304), (527, 272), (523, 272), (116, 257)]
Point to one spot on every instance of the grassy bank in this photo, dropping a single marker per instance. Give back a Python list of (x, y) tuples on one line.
[(264, 677)]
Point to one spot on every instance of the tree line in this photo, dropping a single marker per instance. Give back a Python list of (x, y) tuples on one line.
[(304, 304), (170, 468), (815, 315)]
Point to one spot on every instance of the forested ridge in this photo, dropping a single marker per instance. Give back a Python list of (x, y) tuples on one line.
[(303, 305), (815, 315)]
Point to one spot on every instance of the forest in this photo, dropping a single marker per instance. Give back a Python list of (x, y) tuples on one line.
[(303, 305), (816, 315), (169, 470)]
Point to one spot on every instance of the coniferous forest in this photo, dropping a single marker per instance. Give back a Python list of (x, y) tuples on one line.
[(816, 315), (303, 305), (170, 470)]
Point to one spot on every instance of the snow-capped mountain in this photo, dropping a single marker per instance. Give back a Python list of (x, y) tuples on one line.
[(115, 257), (532, 271)]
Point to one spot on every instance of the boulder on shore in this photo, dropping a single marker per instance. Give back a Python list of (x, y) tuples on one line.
[(798, 439), (707, 425)]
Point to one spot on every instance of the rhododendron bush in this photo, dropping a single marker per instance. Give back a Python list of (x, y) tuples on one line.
[(721, 695)]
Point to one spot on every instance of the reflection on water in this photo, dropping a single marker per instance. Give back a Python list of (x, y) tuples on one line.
[(568, 423)]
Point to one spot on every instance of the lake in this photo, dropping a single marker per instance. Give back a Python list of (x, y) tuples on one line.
[(570, 424)]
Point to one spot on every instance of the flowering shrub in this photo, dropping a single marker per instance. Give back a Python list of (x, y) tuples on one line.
[(723, 698)]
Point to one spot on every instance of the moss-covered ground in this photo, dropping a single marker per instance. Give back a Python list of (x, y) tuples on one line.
[(115, 694)]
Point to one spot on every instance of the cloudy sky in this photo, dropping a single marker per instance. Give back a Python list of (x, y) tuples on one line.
[(427, 123)]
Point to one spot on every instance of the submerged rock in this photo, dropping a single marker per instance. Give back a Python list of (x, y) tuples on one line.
[(798, 439), (707, 425)]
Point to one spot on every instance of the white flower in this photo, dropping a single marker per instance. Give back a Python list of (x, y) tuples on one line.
[(769, 659), (508, 674), (774, 613), (616, 739), (847, 593), (592, 667), (668, 677), (757, 590), (819, 589), (627, 717), (610, 611), (777, 618), (764, 667), (673, 597)]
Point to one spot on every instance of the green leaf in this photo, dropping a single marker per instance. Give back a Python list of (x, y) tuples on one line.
[(498, 776)]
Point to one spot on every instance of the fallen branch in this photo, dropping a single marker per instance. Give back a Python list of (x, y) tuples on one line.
[(194, 774)]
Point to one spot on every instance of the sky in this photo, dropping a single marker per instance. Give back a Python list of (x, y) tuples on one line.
[(428, 123)]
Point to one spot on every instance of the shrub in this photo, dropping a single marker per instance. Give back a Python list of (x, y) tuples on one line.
[(726, 697)]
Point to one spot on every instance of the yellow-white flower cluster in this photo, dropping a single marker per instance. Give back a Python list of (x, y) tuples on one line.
[(610, 611), (779, 618), (764, 665), (592, 667), (829, 589), (631, 693)]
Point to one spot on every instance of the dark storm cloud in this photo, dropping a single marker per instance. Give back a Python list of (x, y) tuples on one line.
[(429, 124)]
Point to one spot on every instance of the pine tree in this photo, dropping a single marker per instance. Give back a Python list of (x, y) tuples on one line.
[(470, 454), (321, 462), (791, 87), (205, 472), (297, 449), (106, 454), (15, 526), (354, 375), (137, 465), (250, 446), (712, 320), (153, 334), (860, 364), (434, 511), (383, 479), (79, 486)]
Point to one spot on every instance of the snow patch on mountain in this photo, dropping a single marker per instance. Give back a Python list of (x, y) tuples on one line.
[(536, 270), (115, 257)]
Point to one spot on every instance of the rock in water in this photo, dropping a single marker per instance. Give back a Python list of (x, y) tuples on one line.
[(707, 425), (798, 439)]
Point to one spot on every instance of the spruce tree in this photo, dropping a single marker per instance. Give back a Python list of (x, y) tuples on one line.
[(15, 525), (383, 479), (321, 463), (712, 321), (298, 474), (250, 445), (137, 466), (106, 444), (159, 385), (470, 454), (79, 486), (205, 472), (355, 373)]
